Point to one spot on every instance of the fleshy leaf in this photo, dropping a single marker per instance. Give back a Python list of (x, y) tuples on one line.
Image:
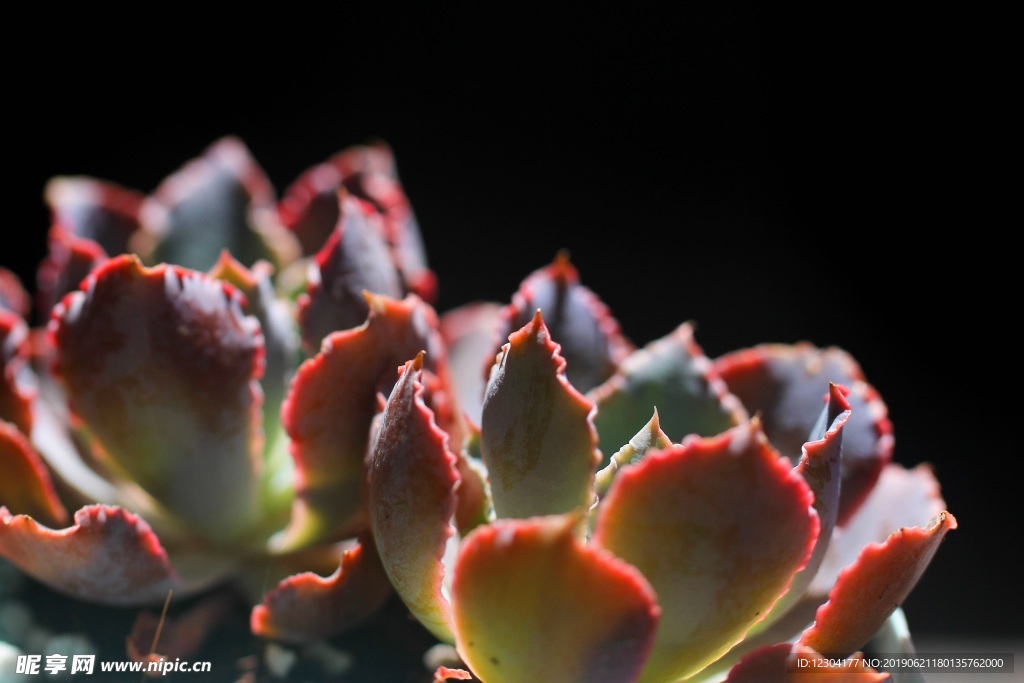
[(649, 438), (673, 375), (719, 526), (470, 333), (307, 607), (16, 394), (820, 467), (412, 480), (786, 385), (370, 173), (868, 591), (279, 337), (109, 556), (902, 498), (354, 259), (537, 433), (443, 674), (591, 340), (25, 486), (330, 429), (782, 664), (894, 638), (474, 496), (13, 297), (95, 210), (310, 207), (69, 260), (220, 200), (532, 603), (161, 365)]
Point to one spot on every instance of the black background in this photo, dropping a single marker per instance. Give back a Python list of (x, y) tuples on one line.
[(770, 176)]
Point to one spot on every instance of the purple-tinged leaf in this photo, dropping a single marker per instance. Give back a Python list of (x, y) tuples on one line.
[(673, 376), (354, 259), (25, 486), (161, 365), (307, 606), (369, 172), (591, 341), (69, 260), (819, 466), (13, 297), (220, 200), (792, 663), (533, 603), (108, 556), (870, 589), (902, 498), (412, 479), (719, 526), (95, 210), (330, 428), (16, 392), (537, 434), (310, 206), (787, 385)]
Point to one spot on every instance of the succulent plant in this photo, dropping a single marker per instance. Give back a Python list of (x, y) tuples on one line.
[(239, 389), (163, 398)]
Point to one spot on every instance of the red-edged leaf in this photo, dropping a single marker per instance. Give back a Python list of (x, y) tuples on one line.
[(16, 394), (591, 340), (25, 486), (69, 260), (13, 296), (412, 481), (331, 405), (673, 375), (161, 365), (95, 210), (532, 603), (309, 206), (370, 173), (108, 556), (902, 498), (220, 200), (355, 259), (785, 663), (719, 526), (820, 467), (307, 607), (868, 591), (787, 384), (537, 434)]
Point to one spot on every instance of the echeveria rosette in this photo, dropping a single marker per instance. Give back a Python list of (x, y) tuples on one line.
[(171, 408), (665, 557)]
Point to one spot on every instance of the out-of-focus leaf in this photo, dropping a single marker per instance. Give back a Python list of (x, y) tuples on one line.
[(25, 486)]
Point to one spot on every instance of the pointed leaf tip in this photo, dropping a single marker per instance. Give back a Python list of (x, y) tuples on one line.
[(537, 434), (727, 513), (870, 589)]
